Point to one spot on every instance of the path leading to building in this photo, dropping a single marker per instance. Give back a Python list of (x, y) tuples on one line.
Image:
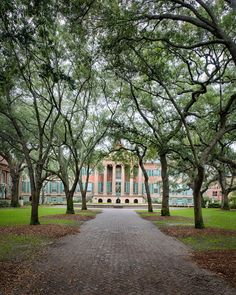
[(120, 253)]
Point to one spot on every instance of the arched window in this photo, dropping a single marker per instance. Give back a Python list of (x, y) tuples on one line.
[(136, 201), (108, 200), (100, 200), (126, 200), (117, 201)]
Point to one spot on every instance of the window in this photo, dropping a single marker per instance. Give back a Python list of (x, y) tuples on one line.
[(155, 188), (109, 187), (156, 172), (127, 187), (100, 187), (135, 188), (214, 193), (90, 187), (54, 188), (26, 187), (118, 172)]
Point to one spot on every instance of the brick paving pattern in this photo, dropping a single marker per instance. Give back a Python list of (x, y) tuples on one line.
[(120, 253)]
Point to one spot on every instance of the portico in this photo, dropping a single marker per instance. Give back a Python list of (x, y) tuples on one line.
[(119, 184)]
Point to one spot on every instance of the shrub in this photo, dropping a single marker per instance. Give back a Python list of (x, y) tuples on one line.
[(4, 204), (232, 203), (214, 205)]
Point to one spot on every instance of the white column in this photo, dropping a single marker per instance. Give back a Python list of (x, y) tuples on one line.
[(131, 181), (122, 180), (105, 180), (140, 180), (95, 182), (114, 180)]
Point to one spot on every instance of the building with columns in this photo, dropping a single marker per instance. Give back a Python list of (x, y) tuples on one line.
[(114, 182), (122, 183)]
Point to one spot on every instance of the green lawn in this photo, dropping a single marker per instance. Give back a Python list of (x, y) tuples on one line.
[(15, 246), (219, 242), (19, 216), (212, 217)]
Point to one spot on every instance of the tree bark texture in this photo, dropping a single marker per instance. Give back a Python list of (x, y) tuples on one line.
[(225, 192), (165, 211), (34, 220), (84, 201), (149, 199), (69, 202), (197, 197), (15, 177), (225, 200)]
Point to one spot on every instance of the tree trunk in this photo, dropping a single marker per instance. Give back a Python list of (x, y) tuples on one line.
[(225, 193), (84, 201), (197, 197), (165, 211), (34, 209), (43, 195), (15, 177), (202, 200), (69, 203), (149, 199), (225, 200)]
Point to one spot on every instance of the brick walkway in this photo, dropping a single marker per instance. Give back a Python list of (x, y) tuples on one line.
[(120, 253)]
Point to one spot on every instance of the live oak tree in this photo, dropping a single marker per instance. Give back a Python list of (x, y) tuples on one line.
[(32, 104), (11, 152), (198, 40)]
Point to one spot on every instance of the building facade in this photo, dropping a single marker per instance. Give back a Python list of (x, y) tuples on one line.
[(113, 183), (5, 179)]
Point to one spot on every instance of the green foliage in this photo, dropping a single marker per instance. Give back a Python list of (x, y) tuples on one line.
[(214, 205), (4, 204), (232, 202)]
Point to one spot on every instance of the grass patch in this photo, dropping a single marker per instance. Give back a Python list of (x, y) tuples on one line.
[(202, 243), (19, 240), (212, 217), (14, 246), (220, 232), (21, 216)]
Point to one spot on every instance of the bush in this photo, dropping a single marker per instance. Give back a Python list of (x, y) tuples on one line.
[(214, 205), (4, 204), (27, 203), (232, 203)]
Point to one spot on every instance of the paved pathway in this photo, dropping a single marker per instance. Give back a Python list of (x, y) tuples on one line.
[(120, 253)]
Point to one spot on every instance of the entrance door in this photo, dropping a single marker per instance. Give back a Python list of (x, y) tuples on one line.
[(117, 201), (118, 188)]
